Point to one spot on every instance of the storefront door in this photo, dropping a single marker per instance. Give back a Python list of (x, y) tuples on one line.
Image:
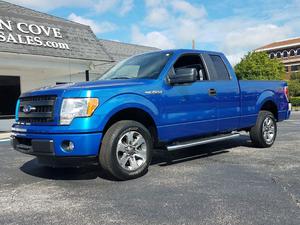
[(10, 90)]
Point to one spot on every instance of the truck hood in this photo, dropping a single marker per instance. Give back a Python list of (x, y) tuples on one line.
[(109, 83), (100, 84)]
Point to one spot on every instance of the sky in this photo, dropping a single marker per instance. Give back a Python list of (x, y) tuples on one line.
[(233, 27)]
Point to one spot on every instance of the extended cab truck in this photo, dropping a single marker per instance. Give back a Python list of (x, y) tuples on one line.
[(174, 98)]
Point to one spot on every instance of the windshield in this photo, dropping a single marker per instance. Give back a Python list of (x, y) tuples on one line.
[(146, 66)]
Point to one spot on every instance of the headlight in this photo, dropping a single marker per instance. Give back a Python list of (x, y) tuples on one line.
[(77, 107)]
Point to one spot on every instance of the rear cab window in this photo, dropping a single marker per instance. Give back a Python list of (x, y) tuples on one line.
[(216, 67)]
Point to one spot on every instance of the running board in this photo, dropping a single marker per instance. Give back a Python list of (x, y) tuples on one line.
[(202, 141)]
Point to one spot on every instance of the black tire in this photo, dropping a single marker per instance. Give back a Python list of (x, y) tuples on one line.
[(108, 153), (257, 133)]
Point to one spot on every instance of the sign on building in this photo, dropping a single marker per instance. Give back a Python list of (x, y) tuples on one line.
[(31, 34)]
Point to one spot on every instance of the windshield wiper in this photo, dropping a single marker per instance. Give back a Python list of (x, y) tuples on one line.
[(117, 78)]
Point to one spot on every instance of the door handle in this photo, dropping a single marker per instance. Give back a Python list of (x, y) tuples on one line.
[(212, 92)]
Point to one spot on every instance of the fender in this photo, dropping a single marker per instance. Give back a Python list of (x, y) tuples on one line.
[(265, 96), (125, 101)]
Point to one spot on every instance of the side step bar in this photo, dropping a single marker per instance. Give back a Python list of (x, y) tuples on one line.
[(202, 141)]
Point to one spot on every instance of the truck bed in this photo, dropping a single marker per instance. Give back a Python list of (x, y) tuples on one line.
[(254, 92)]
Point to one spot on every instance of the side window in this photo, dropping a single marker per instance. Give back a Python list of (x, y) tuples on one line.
[(191, 61), (220, 68)]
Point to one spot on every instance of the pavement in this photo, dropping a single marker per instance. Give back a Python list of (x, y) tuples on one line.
[(229, 182)]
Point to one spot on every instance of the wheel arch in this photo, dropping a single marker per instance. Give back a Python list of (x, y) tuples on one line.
[(270, 106), (266, 101), (136, 114)]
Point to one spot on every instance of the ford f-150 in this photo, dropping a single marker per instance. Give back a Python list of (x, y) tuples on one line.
[(173, 99)]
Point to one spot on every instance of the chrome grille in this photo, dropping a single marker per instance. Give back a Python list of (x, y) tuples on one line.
[(36, 109)]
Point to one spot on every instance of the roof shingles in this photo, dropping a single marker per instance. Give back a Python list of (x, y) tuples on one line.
[(119, 51), (80, 38)]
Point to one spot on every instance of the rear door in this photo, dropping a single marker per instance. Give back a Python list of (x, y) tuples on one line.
[(227, 92)]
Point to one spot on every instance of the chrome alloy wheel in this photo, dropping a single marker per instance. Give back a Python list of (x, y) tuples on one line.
[(268, 130), (131, 151)]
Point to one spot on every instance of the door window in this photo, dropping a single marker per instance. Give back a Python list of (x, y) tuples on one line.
[(191, 61)]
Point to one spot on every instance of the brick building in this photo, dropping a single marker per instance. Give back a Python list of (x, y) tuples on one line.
[(288, 51)]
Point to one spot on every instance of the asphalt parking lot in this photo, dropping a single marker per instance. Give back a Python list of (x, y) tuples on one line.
[(228, 182)]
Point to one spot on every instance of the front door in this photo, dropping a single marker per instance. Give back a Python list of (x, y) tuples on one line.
[(191, 109)]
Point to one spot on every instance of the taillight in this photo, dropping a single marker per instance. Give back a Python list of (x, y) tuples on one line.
[(286, 92)]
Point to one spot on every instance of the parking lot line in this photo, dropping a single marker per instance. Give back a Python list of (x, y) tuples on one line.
[(5, 140)]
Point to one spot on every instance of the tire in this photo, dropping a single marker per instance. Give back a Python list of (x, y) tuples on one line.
[(126, 150), (263, 134)]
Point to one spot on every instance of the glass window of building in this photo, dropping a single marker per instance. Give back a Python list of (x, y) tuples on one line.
[(292, 52), (285, 54), (278, 54), (295, 68), (272, 55)]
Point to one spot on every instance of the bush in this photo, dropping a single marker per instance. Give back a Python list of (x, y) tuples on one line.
[(295, 76), (294, 88), (295, 101), (258, 66)]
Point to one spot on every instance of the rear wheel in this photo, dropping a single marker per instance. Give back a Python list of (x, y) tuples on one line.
[(126, 150), (263, 134)]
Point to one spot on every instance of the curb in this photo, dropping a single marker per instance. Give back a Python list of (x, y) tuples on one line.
[(4, 136)]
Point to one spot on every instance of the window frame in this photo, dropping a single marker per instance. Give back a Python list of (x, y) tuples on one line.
[(212, 69), (297, 66), (171, 70)]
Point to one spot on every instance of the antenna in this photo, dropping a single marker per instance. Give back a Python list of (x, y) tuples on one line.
[(193, 44)]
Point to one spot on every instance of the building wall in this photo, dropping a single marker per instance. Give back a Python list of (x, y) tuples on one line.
[(35, 72), (290, 57), (38, 71)]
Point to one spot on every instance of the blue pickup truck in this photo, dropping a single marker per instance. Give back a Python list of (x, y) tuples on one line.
[(173, 99)]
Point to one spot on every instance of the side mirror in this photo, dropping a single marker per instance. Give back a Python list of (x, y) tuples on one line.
[(183, 75)]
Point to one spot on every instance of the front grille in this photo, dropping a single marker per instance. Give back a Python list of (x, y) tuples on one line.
[(37, 109)]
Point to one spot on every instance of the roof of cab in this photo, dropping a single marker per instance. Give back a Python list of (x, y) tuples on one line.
[(182, 51)]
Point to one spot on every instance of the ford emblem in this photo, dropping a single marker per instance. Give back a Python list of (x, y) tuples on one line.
[(28, 109)]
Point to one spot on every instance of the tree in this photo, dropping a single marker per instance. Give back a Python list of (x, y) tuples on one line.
[(294, 85), (258, 66), (294, 88)]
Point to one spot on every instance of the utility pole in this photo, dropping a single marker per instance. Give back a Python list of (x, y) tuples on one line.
[(87, 75), (193, 44)]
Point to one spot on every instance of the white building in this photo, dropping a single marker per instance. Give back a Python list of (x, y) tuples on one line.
[(37, 49)]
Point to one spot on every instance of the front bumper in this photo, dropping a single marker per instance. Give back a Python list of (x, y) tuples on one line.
[(48, 147)]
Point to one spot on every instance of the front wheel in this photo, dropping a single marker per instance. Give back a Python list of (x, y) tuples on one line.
[(126, 150), (263, 134)]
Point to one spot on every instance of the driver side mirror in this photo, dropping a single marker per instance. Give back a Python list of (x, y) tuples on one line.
[(183, 75)]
